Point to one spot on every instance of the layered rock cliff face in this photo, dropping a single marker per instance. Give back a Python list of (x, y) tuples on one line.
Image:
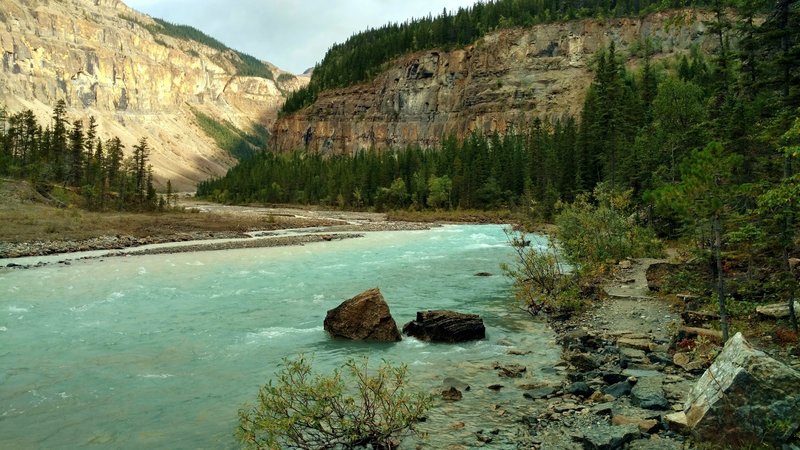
[(501, 82), (99, 57)]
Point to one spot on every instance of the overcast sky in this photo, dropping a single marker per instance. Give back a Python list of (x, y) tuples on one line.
[(292, 34)]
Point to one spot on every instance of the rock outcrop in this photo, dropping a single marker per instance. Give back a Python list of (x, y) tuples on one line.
[(499, 83), (778, 310), (102, 59), (365, 317), (445, 326), (745, 396)]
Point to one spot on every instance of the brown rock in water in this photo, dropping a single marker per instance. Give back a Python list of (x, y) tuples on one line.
[(452, 394), (446, 326), (365, 317)]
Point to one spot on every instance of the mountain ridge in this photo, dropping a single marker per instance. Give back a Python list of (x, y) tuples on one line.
[(105, 59), (502, 81)]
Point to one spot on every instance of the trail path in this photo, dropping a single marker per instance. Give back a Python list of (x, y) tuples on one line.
[(631, 306)]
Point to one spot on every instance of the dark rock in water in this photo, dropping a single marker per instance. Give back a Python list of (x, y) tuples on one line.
[(542, 392), (446, 326), (580, 389), (452, 394), (484, 274), (496, 387), (745, 393), (618, 390), (365, 317), (510, 370), (608, 437), (456, 383)]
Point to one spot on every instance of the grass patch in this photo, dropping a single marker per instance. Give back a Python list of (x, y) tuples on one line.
[(38, 222), (228, 137)]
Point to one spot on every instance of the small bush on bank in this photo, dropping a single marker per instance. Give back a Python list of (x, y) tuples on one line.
[(303, 410), (593, 234), (541, 281)]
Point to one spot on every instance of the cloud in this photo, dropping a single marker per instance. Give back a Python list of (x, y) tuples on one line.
[(291, 34)]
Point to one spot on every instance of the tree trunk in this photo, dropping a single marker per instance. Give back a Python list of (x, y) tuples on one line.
[(787, 242), (723, 313)]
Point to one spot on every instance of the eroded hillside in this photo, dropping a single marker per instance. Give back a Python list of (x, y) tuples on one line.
[(502, 81), (107, 60)]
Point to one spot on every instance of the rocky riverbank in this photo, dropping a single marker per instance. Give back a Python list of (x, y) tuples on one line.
[(628, 366), (56, 246)]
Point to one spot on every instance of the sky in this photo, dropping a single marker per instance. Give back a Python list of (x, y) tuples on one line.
[(292, 34)]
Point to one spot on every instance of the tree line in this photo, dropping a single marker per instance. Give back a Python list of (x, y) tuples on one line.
[(365, 54), (72, 155), (705, 143)]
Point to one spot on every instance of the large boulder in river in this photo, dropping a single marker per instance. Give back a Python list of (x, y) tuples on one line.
[(446, 326), (745, 396), (365, 317)]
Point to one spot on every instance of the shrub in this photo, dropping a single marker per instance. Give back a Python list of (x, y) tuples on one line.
[(541, 282), (303, 410), (595, 233)]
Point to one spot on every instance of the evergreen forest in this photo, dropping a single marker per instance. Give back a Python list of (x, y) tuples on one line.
[(366, 54), (72, 156), (700, 147), (639, 129)]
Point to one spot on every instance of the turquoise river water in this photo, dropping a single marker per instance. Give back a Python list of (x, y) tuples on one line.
[(161, 351)]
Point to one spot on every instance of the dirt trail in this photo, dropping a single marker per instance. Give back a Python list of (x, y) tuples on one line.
[(632, 308)]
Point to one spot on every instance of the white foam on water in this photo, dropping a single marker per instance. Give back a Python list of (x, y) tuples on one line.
[(195, 263), (277, 332), (3, 329), (157, 375), (17, 309), (484, 245), (142, 271)]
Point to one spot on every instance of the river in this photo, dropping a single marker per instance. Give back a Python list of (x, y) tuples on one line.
[(161, 351)]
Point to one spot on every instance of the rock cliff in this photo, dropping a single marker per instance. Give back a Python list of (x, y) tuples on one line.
[(500, 82), (102, 59)]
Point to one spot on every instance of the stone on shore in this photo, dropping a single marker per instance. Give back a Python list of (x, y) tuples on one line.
[(648, 393), (745, 396), (778, 310), (365, 317), (610, 437), (446, 326)]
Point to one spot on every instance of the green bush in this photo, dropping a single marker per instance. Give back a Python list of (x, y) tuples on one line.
[(541, 282), (593, 234), (303, 410)]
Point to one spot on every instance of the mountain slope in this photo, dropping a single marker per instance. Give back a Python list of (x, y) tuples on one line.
[(138, 77), (503, 81)]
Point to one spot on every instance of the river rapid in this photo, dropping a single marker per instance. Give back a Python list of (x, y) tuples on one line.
[(161, 351)]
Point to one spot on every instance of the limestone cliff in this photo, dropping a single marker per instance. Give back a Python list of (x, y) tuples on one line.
[(500, 82), (101, 58)]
